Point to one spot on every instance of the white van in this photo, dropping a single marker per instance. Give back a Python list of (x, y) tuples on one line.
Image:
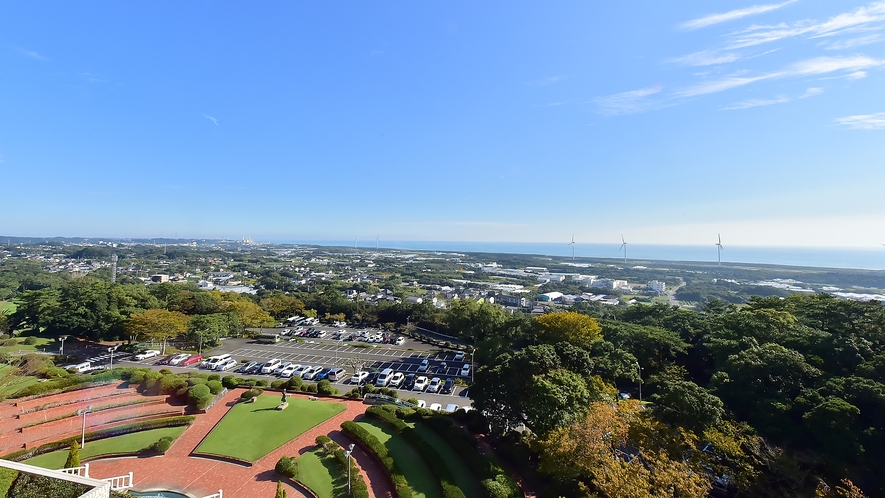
[(79, 367), (384, 378), (337, 375), (214, 361)]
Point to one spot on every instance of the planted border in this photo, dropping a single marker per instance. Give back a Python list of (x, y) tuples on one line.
[(374, 447), (358, 486)]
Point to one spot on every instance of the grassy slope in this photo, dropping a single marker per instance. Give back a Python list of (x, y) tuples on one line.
[(251, 430), (421, 479), (7, 306), (464, 477), (9, 383), (118, 444), (42, 343), (322, 474)]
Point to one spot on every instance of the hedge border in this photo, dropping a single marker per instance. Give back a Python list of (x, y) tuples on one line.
[(378, 452)]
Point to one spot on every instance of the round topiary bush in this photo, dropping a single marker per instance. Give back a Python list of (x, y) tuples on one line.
[(30, 341), (229, 381), (199, 395), (215, 377), (215, 386), (278, 384), (261, 383), (295, 383), (287, 467)]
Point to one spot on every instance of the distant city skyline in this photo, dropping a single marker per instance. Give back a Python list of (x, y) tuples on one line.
[(498, 122)]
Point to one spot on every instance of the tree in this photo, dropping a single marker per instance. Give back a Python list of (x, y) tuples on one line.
[(73, 456), (158, 324), (281, 493), (568, 326), (281, 305), (474, 320), (248, 313), (686, 404)]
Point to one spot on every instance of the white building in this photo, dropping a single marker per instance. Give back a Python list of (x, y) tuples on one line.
[(656, 286)]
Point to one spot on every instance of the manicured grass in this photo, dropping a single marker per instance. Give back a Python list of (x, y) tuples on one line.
[(251, 430), (10, 383), (322, 474), (8, 306), (421, 479), (119, 444), (464, 477), (42, 343)]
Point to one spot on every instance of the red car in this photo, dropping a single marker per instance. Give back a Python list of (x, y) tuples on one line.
[(194, 358)]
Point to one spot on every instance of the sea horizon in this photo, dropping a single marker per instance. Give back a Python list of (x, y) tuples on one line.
[(858, 258)]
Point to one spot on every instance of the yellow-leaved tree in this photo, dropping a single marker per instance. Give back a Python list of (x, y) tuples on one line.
[(157, 324), (580, 330)]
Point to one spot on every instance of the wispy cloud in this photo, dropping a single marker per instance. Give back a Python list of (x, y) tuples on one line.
[(550, 80), (860, 19), (628, 102), (811, 67), (863, 121), (811, 92), (746, 104), (211, 118), (731, 15), (32, 54), (92, 78), (852, 42), (706, 58)]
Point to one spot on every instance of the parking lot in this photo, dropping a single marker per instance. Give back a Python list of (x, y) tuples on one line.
[(329, 353)]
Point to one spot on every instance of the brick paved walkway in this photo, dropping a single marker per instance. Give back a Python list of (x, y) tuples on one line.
[(200, 476)]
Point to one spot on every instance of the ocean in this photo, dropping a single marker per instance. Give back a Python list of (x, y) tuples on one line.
[(821, 257)]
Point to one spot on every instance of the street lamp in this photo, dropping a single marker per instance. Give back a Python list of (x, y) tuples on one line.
[(201, 342), (349, 455), (472, 365), (62, 339), (111, 350), (639, 369), (83, 433)]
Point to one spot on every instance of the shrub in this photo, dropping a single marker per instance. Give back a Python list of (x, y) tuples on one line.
[(310, 388), (199, 396), (215, 386), (287, 467), (215, 377), (248, 382), (160, 446), (196, 380), (73, 456), (136, 377), (278, 384), (229, 381), (30, 341), (325, 387), (7, 477), (251, 393), (261, 383), (323, 440), (400, 484), (34, 486), (294, 383)]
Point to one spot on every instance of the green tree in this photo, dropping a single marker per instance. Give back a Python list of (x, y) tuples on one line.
[(281, 493), (73, 456), (568, 326), (158, 324), (683, 403)]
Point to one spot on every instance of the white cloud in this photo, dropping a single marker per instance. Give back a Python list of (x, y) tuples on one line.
[(811, 92), (857, 75), (853, 42), (863, 121), (732, 15), (211, 118), (706, 58), (860, 19), (627, 102), (746, 104), (722, 85), (33, 55)]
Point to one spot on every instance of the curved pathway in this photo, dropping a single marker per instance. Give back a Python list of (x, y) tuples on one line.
[(177, 470)]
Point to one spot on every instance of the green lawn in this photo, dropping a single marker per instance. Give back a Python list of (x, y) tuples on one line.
[(322, 474), (9, 383), (464, 477), (251, 430), (421, 479), (118, 444), (42, 343), (7, 306)]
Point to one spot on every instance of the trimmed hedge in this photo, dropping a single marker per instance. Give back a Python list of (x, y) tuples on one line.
[(358, 486), (287, 467), (400, 483), (160, 446), (434, 461)]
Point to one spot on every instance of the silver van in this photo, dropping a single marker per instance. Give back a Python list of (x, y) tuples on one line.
[(384, 378), (337, 375)]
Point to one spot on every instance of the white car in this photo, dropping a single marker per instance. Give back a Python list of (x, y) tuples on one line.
[(302, 370), (150, 353), (178, 359), (310, 374), (287, 372), (226, 365), (459, 356), (396, 379), (281, 367), (359, 377), (436, 407), (423, 366), (435, 384), (465, 370), (400, 341), (270, 366), (420, 383), (451, 408)]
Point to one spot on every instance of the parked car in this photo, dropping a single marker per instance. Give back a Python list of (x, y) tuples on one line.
[(256, 368), (420, 384), (435, 384), (448, 386), (451, 408), (178, 359), (165, 361), (465, 370), (287, 372), (359, 377), (436, 407), (301, 371), (244, 368), (191, 360), (226, 365), (310, 374), (271, 365), (396, 379), (322, 374), (459, 356), (409, 381), (280, 367), (150, 353), (422, 403), (400, 341), (423, 366)]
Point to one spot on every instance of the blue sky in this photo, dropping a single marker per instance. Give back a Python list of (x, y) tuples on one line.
[(668, 122)]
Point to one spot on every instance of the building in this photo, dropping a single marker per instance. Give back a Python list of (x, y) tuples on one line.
[(656, 286), (549, 296), (508, 300), (159, 279)]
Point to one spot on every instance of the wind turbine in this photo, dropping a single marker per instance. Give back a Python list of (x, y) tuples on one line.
[(354, 243), (624, 247), (573, 246), (719, 249), (377, 239)]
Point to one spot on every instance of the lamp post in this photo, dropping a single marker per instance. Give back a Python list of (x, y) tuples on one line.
[(472, 365), (111, 350), (349, 454), (83, 432), (201, 343), (62, 339), (639, 369)]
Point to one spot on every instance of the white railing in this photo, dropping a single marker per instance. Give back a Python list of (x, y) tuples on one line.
[(120, 482), (219, 494), (82, 471)]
